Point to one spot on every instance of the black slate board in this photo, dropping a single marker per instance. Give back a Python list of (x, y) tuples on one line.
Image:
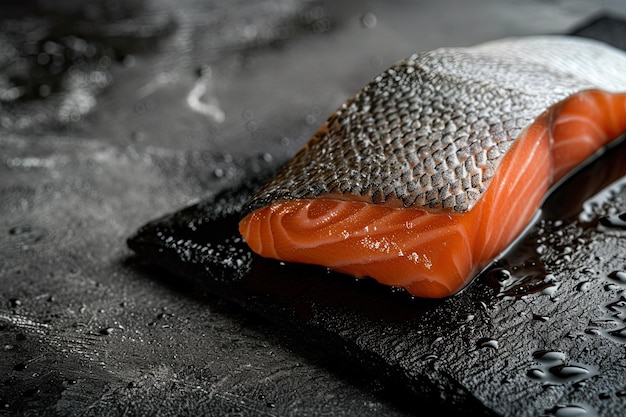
[(539, 333)]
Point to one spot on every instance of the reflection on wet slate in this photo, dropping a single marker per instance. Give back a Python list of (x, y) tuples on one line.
[(472, 352), (54, 64)]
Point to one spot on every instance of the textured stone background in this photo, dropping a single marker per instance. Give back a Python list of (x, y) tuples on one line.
[(113, 113)]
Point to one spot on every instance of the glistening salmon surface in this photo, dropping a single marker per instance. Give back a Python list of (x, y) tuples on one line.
[(425, 187)]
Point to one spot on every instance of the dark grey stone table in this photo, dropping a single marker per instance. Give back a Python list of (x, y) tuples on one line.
[(115, 113)]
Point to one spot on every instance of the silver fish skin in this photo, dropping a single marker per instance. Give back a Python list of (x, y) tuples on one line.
[(430, 131)]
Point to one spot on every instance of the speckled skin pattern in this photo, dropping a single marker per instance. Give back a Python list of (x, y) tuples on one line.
[(430, 131)]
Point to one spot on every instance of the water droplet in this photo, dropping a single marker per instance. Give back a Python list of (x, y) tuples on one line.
[(535, 373), (376, 62), (252, 125), (267, 157), (618, 334), (548, 356), (571, 410), (502, 275), (618, 307), (619, 277), (550, 290), (469, 317), (617, 221), (555, 370), (487, 343), (569, 372), (15, 302), (19, 230), (429, 357), (369, 20), (437, 340), (106, 331), (594, 331)]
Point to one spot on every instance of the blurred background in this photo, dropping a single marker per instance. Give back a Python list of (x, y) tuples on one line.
[(113, 113)]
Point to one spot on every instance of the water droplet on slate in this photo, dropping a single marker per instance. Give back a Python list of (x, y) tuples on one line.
[(619, 277), (535, 373), (18, 230), (548, 356), (617, 221), (568, 372), (106, 331), (539, 317), (618, 334), (487, 343), (429, 357), (15, 302), (369, 20), (570, 410), (469, 317), (550, 290)]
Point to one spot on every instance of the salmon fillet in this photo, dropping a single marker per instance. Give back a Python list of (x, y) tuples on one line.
[(435, 167)]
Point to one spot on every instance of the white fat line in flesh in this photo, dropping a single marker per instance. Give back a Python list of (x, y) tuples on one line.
[(330, 231), (541, 185), (588, 96), (469, 257), (329, 217), (340, 213), (254, 230), (387, 223), (515, 193), (587, 139), (564, 119), (594, 124), (271, 226), (297, 238), (246, 231)]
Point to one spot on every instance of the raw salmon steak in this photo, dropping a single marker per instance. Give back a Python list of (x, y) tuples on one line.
[(440, 163)]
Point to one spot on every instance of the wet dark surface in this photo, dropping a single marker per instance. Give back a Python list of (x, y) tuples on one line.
[(115, 113)]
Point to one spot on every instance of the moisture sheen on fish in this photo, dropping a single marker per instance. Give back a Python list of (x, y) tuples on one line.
[(437, 165)]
